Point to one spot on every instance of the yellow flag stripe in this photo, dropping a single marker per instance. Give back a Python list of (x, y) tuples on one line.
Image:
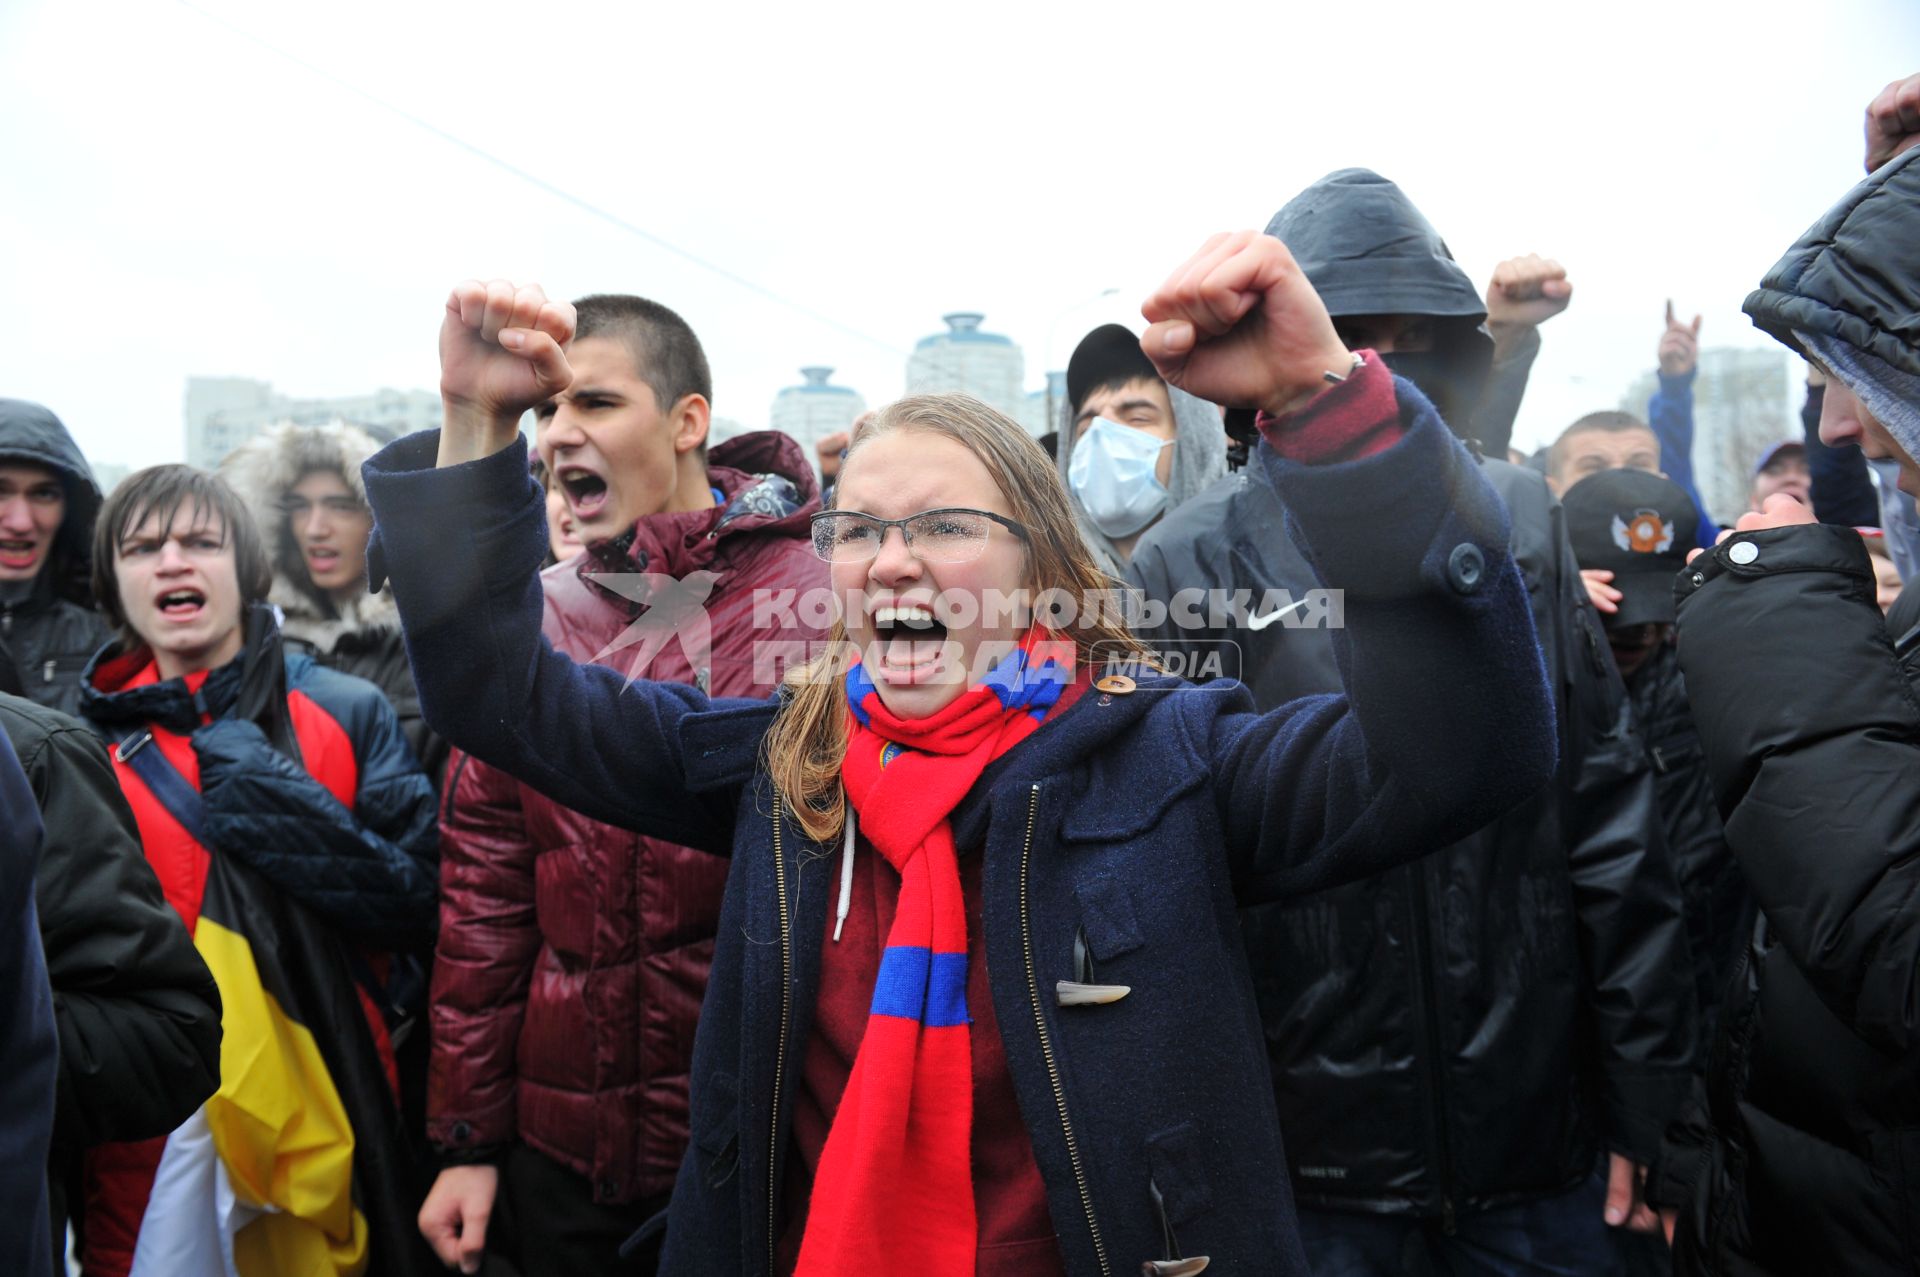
[(280, 1128)]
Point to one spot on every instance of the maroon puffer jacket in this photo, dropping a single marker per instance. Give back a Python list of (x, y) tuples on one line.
[(572, 955)]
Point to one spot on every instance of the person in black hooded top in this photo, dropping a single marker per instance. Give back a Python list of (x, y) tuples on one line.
[(1458, 1044), (48, 499)]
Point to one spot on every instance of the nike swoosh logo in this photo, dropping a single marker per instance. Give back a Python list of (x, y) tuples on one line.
[(1262, 622)]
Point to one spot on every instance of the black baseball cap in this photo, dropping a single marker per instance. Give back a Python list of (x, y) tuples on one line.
[(1639, 526)]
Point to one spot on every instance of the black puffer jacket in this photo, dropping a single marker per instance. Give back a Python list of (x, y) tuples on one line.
[(137, 1010), (47, 636), (1811, 724), (1472, 1028), (1719, 908)]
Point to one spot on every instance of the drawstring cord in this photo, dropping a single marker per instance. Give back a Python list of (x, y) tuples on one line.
[(846, 877)]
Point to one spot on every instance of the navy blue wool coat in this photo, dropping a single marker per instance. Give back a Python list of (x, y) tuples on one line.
[(1135, 820)]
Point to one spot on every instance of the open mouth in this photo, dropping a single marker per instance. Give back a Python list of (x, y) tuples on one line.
[(19, 554), (908, 640), (182, 605), (319, 560), (586, 492)]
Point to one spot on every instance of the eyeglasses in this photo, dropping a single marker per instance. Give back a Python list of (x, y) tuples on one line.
[(950, 535)]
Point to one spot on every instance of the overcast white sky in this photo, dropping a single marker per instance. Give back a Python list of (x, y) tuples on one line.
[(179, 200)]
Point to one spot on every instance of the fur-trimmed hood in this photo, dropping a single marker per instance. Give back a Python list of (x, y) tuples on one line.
[(262, 470)]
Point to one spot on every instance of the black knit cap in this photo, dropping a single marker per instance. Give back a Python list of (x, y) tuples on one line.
[(1108, 355), (1639, 526)]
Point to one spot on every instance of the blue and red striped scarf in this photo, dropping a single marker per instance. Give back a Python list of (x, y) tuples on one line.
[(894, 1191)]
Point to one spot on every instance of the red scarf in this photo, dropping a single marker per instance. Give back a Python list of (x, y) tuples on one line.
[(894, 1191)]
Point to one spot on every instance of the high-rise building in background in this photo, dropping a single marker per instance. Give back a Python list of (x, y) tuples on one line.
[(987, 366), (1745, 400), (814, 409), (224, 412)]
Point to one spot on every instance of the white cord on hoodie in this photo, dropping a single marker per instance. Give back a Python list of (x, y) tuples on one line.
[(846, 878)]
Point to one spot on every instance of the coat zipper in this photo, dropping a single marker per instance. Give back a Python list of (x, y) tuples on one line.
[(1429, 1017), (1046, 1043), (780, 1055)]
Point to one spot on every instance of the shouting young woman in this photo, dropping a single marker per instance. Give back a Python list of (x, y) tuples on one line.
[(978, 1003)]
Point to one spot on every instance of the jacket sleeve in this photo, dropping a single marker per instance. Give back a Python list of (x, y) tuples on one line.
[(463, 547), (483, 960), (1499, 405), (1626, 895), (29, 1061), (137, 1009), (368, 871), (1812, 737), (1670, 413), (1446, 720)]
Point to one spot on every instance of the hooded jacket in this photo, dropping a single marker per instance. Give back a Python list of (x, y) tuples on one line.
[(1199, 459), (573, 954), (1131, 822), (360, 637), (1473, 1028), (1809, 1153), (137, 1010), (47, 635), (1369, 251)]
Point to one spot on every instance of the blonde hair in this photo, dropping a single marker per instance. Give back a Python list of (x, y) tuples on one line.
[(808, 740)]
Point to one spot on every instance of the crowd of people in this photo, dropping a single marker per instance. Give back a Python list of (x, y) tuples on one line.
[(619, 856)]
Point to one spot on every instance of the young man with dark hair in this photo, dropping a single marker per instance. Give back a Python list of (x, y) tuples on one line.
[(1132, 447), (573, 955), (48, 627), (256, 775)]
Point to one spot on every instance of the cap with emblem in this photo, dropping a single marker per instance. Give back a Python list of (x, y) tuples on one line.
[(1639, 526)]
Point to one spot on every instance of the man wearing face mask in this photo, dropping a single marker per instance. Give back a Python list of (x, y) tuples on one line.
[(1474, 1055), (1132, 447)]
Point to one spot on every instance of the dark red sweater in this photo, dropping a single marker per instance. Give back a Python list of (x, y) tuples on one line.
[(1009, 1197)]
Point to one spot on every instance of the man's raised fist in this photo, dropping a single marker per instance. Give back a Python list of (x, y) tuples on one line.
[(1526, 292), (1893, 121), (1238, 324), (500, 348)]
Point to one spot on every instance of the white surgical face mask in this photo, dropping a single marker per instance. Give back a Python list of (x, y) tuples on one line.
[(1112, 473)]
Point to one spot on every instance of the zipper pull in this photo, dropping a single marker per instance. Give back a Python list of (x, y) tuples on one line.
[(46, 672)]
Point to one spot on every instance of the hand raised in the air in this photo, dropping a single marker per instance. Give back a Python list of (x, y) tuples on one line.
[(1238, 324), (501, 353)]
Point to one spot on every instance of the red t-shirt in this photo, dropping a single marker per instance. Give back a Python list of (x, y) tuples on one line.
[(1009, 1197)]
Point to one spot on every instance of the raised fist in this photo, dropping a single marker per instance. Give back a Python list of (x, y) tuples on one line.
[(1679, 345), (500, 348), (1893, 121), (1526, 292), (1238, 324)]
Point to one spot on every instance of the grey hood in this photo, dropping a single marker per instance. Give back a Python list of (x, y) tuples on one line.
[(262, 470), (1199, 459), (31, 433)]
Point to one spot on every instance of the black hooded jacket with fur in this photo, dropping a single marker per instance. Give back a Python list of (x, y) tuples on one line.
[(362, 636)]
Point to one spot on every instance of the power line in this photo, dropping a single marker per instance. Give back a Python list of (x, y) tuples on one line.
[(540, 183)]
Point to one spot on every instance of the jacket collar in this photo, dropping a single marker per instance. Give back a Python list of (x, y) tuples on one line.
[(776, 500)]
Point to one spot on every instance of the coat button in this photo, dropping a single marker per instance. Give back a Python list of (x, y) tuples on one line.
[(1743, 552), (608, 1189), (462, 1132), (1117, 684), (1466, 567)]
